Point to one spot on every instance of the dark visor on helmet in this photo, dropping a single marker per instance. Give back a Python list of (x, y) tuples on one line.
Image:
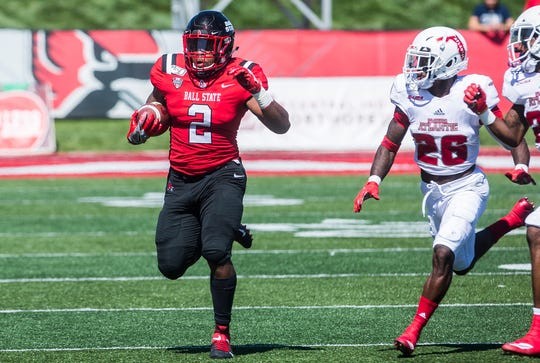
[(199, 44)]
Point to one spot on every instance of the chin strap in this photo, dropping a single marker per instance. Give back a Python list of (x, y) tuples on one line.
[(533, 58), (529, 64)]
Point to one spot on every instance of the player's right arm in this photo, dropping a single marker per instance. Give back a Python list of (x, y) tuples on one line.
[(151, 119), (383, 159), (521, 156)]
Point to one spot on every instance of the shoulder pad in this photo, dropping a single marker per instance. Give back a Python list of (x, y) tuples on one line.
[(248, 64), (169, 64)]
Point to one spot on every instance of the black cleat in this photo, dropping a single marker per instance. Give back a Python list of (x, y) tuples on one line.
[(243, 236)]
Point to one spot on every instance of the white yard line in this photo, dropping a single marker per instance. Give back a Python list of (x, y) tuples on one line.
[(380, 344), (278, 307), (259, 277), (330, 251)]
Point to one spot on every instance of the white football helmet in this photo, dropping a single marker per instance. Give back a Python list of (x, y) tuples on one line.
[(436, 53), (522, 48)]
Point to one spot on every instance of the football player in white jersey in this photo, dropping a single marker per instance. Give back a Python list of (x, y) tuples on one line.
[(429, 103), (522, 87)]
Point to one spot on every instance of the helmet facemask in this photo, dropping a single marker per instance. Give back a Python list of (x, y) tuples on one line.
[(206, 54), (522, 40), (418, 68)]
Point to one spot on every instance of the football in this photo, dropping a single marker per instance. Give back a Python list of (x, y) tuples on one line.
[(157, 111)]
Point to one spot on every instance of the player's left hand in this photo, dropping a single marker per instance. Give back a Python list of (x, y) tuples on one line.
[(370, 190), (475, 98), (246, 78), (520, 176)]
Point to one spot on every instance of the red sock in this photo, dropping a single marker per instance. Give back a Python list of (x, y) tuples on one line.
[(426, 308)]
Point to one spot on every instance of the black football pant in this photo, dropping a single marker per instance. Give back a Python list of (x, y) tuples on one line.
[(199, 218)]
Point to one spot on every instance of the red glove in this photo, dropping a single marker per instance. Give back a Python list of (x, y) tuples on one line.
[(148, 120), (520, 176), (247, 79), (475, 98), (370, 190)]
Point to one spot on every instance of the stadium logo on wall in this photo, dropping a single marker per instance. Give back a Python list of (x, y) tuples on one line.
[(24, 122), (94, 73)]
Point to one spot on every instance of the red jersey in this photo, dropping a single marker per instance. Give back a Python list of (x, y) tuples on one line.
[(204, 114)]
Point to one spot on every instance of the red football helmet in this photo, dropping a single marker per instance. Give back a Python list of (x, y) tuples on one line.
[(208, 43)]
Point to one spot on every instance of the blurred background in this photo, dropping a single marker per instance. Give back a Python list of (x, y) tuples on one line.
[(245, 14)]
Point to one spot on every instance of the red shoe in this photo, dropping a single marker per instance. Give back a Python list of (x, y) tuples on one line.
[(221, 343), (528, 345), (518, 213), (406, 342)]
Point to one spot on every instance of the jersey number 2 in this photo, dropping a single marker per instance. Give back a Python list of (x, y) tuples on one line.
[(197, 134)]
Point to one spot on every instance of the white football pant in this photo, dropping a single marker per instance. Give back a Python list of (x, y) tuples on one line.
[(453, 210)]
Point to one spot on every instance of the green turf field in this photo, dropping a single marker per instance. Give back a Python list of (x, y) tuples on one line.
[(79, 281)]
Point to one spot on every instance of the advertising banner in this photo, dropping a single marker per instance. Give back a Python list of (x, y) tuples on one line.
[(25, 124)]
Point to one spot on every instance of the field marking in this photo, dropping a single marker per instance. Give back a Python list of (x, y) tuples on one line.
[(128, 164), (209, 308), (73, 233), (260, 277), (326, 228), (330, 251), (265, 346), (155, 200)]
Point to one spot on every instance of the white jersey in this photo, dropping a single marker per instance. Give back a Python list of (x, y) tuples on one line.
[(523, 89), (444, 129)]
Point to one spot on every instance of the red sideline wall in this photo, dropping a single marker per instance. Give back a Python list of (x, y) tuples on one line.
[(312, 53), (104, 73)]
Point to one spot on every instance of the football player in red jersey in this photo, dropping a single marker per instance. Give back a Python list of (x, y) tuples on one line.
[(429, 103), (206, 92)]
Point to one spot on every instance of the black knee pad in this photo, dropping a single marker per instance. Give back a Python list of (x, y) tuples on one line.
[(171, 272), (216, 256)]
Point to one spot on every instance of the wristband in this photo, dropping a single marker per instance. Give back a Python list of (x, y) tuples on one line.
[(487, 117), (263, 98), (375, 178), (523, 167)]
